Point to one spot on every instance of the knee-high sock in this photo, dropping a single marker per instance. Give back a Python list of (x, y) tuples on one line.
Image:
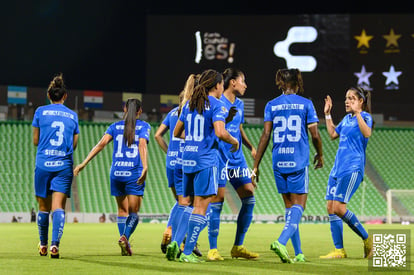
[(58, 221), (182, 227), (292, 222), (244, 219), (130, 224), (172, 214), (121, 224), (336, 230), (296, 243), (175, 221), (196, 223), (43, 226), (354, 224), (213, 221)]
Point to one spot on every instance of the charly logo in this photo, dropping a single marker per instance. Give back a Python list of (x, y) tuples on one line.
[(213, 46), (297, 34)]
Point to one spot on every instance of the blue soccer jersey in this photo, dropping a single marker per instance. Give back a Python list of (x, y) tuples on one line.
[(350, 156), (234, 160), (58, 124), (174, 144), (290, 115), (126, 162), (200, 151)]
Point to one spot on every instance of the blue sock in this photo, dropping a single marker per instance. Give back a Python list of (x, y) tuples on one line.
[(183, 225), (172, 214), (292, 223), (296, 243), (130, 224), (175, 220), (58, 221), (354, 224), (121, 224), (43, 226), (214, 223), (195, 225), (244, 219), (336, 231)]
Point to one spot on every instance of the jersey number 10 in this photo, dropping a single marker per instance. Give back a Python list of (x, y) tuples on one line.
[(196, 131)]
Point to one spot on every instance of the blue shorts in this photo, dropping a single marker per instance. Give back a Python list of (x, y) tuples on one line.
[(201, 183), (237, 176), (120, 187), (343, 188), (48, 182), (178, 180), (170, 177), (296, 182)]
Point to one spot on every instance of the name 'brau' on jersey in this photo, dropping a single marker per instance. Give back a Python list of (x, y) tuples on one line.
[(126, 161), (174, 144), (200, 151), (235, 159), (350, 156), (58, 124), (290, 115)]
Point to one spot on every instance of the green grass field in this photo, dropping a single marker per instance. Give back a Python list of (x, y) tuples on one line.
[(93, 249)]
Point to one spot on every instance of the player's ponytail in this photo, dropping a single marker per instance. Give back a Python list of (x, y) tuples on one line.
[(133, 106), (57, 88), (207, 81), (186, 94), (229, 74), (289, 78)]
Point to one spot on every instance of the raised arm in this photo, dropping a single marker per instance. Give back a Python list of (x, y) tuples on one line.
[(330, 126)]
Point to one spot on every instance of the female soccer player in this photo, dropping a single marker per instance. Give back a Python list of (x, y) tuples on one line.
[(55, 133), (348, 171), (289, 116), (174, 165), (129, 168), (233, 167), (203, 120)]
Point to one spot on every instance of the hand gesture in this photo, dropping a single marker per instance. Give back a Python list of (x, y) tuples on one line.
[(77, 169), (328, 105)]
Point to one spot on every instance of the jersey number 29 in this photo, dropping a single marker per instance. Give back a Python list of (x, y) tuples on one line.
[(292, 123)]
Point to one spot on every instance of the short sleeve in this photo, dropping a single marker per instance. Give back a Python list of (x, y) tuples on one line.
[(312, 117), (367, 118), (220, 112), (35, 122), (166, 120), (145, 131), (110, 130), (268, 112)]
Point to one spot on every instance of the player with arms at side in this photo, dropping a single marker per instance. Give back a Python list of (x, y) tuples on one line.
[(233, 168), (129, 168), (55, 133), (348, 171), (174, 167), (203, 119), (290, 116)]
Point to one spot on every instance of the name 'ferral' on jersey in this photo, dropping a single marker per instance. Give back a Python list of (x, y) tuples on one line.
[(290, 115)]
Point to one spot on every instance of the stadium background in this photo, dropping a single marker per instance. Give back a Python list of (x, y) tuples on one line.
[(119, 47)]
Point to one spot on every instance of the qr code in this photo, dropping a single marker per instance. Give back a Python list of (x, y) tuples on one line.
[(390, 250)]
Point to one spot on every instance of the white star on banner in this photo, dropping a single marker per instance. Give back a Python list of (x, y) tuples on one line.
[(392, 76), (363, 76)]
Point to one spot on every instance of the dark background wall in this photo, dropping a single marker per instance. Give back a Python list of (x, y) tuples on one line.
[(102, 45)]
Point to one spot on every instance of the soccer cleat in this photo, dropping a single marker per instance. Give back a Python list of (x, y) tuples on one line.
[(300, 258), (214, 255), (240, 251), (197, 251), (54, 252), (336, 254), (172, 251), (166, 239), (281, 251), (368, 247), (42, 249), (190, 258), (124, 245)]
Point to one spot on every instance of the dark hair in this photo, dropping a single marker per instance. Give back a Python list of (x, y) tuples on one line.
[(207, 81), (57, 88), (229, 74), (132, 106), (366, 97), (289, 78)]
